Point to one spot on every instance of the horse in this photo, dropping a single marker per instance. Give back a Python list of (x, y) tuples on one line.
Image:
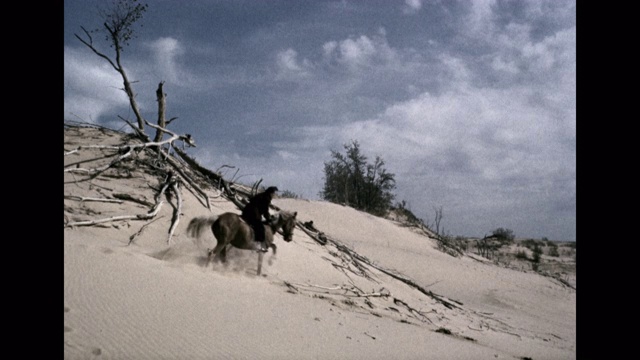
[(230, 229)]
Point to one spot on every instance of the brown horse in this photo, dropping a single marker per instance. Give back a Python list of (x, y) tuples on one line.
[(230, 229)]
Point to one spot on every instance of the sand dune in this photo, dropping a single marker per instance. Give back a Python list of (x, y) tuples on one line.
[(150, 299)]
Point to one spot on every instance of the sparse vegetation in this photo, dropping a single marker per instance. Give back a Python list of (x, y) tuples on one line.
[(531, 243), (490, 244), (537, 252), (504, 235), (289, 195), (402, 210)]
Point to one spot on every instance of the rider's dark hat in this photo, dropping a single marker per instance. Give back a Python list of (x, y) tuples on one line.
[(271, 189)]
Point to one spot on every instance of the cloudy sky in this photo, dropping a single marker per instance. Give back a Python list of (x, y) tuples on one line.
[(471, 104)]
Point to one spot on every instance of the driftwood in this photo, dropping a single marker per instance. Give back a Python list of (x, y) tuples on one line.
[(128, 197), (161, 110), (142, 228), (197, 167), (411, 310), (127, 150), (85, 147), (353, 289), (83, 199), (175, 177), (146, 216), (97, 171), (197, 192), (177, 211), (149, 215)]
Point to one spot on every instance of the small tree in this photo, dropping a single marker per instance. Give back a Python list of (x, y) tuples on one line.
[(505, 235), (349, 179), (488, 245), (537, 252), (286, 194), (118, 27)]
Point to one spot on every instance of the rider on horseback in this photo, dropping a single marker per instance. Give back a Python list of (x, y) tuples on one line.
[(257, 207)]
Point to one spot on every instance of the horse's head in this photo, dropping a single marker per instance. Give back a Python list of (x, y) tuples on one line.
[(287, 222)]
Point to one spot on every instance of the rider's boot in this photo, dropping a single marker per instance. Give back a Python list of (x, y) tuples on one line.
[(262, 246)]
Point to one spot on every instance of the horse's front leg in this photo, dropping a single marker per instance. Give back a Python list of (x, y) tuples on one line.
[(274, 247), (260, 255)]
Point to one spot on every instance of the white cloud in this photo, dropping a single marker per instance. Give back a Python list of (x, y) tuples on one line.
[(361, 51), (456, 70), (481, 17), (289, 67), (557, 47), (412, 6), (166, 51), (356, 51), (92, 87), (329, 48), (485, 136)]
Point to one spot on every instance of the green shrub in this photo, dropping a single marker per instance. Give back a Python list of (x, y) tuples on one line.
[(522, 255), (537, 251), (289, 195)]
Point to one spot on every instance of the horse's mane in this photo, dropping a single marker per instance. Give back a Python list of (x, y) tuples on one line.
[(280, 215)]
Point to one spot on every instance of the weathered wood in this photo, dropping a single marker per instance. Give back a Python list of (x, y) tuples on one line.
[(146, 216), (96, 171), (151, 214), (357, 259), (178, 167), (142, 228), (177, 211), (87, 199), (161, 109), (128, 197)]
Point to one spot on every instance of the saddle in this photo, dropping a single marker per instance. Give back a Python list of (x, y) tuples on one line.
[(253, 232)]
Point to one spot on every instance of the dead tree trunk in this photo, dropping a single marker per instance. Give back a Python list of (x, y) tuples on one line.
[(161, 109)]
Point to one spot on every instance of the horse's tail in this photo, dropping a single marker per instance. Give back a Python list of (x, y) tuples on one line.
[(198, 224)]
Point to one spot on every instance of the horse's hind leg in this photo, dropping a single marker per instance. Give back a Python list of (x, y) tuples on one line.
[(214, 254), (223, 255), (210, 254)]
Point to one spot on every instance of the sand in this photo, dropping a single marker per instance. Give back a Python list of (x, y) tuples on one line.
[(153, 299)]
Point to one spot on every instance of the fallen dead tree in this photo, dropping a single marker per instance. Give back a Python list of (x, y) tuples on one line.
[(175, 177), (359, 261)]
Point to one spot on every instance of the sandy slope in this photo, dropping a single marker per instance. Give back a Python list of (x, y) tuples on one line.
[(151, 299)]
